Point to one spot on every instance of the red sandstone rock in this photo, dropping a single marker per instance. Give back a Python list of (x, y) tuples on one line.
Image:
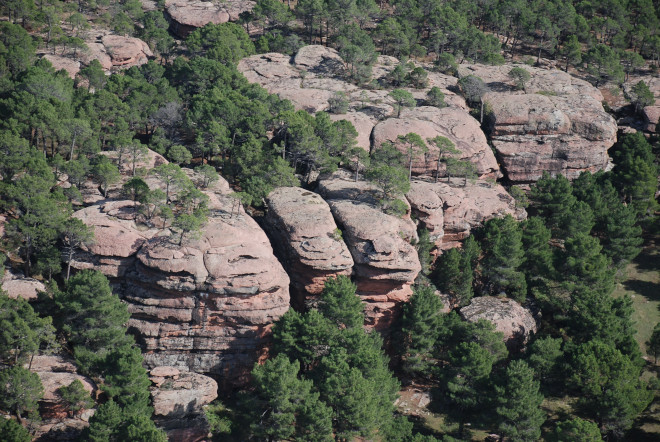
[(70, 66), (651, 117), (429, 122), (386, 264), (178, 398), (557, 124), (187, 15), (17, 286), (302, 228), (116, 238), (513, 320), (449, 211), (116, 51)]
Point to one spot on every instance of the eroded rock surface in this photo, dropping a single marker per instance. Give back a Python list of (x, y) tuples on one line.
[(18, 286), (557, 124), (515, 322), (430, 122), (316, 73), (187, 15), (116, 51), (450, 210), (207, 304), (178, 401), (386, 264), (310, 244)]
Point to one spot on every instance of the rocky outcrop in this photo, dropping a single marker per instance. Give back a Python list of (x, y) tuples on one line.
[(116, 51), (430, 122), (386, 264), (178, 399), (207, 305), (450, 210), (56, 372), (310, 244), (515, 322), (651, 117), (316, 73), (187, 15), (557, 124), (72, 67), (18, 286), (117, 238)]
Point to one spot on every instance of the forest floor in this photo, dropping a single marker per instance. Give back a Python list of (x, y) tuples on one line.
[(642, 284)]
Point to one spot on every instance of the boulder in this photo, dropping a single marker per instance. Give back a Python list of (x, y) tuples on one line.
[(429, 122), (56, 371), (651, 117), (515, 322), (556, 124), (18, 286), (386, 264), (187, 15), (72, 67), (116, 51), (179, 398), (309, 243), (450, 210)]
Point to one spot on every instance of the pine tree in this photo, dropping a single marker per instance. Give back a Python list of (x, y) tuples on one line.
[(20, 391), (653, 344), (577, 430), (420, 328), (76, 397), (519, 411), (340, 304), (504, 256), (14, 432)]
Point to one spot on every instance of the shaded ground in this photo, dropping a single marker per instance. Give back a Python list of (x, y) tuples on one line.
[(642, 284)]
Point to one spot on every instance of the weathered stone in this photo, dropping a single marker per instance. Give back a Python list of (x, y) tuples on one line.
[(386, 264), (18, 286), (72, 67), (557, 124), (116, 51), (429, 122), (651, 117), (310, 244), (450, 210), (187, 15), (179, 398), (515, 322)]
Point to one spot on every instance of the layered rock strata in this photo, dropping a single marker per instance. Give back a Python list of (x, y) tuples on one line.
[(556, 124), (386, 264), (309, 243), (178, 401), (205, 305), (449, 210)]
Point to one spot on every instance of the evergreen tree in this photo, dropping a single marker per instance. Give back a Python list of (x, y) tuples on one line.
[(504, 256), (401, 99), (545, 356), (519, 401), (91, 317), (577, 430), (420, 329), (14, 432), (76, 397), (653, 344), (339, 303), (611, 391), (20, 391), (286, 406), (634, 173)]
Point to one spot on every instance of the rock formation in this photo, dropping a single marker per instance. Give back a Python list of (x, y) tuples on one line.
[(72, 67), (187, 15), (386, 264), (116, 51), (557, 124), (430, 122), (18, 286), (450, 210), (178, 399), (317, 73), (310, 244), (513, 320), (204, 306)]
